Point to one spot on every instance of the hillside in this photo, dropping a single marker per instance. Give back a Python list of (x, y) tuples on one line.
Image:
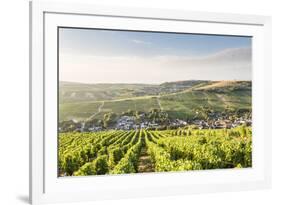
[(78, 92), (225, 86), (179, 99)]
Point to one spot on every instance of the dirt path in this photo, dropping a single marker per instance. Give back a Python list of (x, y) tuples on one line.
[(145, 164), (158, 101), (99, 110)]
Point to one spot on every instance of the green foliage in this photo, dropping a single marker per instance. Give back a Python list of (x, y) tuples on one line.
[(118, 152), (101, 165), (86, 169), (109, 119), (70, 162), (98, 167), (115, 156), (128, 164), (209, 149)]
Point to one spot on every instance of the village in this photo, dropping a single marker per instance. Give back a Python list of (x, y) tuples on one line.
[(127, 122)]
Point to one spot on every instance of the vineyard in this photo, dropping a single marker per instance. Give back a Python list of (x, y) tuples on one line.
[(137, 151)]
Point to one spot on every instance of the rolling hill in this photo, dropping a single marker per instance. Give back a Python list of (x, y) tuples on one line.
[(179, 99)]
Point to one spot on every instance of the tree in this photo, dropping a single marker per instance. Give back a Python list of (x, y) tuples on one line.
[(109, 119)]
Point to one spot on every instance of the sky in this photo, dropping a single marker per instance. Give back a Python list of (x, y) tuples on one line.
[(108, 56)]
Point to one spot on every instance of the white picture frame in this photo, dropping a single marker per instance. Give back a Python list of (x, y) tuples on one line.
[(46, 187)]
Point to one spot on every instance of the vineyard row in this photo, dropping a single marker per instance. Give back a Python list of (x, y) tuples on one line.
[(118, 152)]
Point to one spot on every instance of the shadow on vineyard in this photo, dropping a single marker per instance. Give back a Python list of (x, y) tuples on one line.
[(139, 151)]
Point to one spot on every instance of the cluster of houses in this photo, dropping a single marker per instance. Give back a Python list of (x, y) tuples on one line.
[(221, 123), (95, 128), (126, 123), (130, 123), (178, 123)]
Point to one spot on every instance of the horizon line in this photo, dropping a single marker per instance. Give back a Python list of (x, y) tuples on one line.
[(63, 81)]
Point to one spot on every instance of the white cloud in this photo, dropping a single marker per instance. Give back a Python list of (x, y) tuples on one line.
[(224, 56), (234, 54), (230, 64)]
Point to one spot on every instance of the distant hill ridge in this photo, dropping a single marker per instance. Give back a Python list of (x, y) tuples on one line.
[(80, 92), (226, 84), (180, 82)]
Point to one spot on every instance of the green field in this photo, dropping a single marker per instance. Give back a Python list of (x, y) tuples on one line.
[(182, 105), (138, 151), (78, 111), (178, 99)]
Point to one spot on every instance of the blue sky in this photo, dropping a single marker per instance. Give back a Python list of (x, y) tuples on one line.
[(93, 53)]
